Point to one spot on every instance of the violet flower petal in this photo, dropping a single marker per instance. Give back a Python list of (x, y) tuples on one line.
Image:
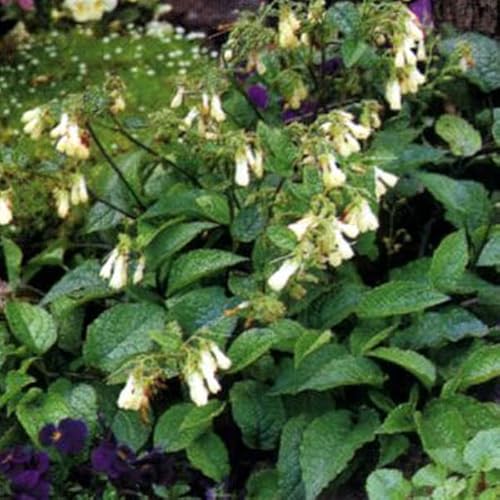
[(423, 10), (258, 95)]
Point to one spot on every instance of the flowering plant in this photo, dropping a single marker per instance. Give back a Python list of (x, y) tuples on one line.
[(272, 306)]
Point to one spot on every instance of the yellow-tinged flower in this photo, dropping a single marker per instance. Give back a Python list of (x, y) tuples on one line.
[(288, 27)]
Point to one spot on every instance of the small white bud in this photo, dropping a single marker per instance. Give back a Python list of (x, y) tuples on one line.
[(393, 94), (197, 389), (139, 270), (383, 181), (178, 98), (120, 271), (208, 368), (242, 171), (109, 264), (280, 278), (222, 360), (216, 111), (300, 227)]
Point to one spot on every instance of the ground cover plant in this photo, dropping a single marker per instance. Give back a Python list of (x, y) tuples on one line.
[(267, 271)]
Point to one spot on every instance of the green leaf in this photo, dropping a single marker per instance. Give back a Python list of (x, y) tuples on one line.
[(15, 382), (387, 484), (259, 416), (344, 16), (490, 256), (485, 71), (82, 283), (290, 473), (495, 129), (131, 429), (329, 443), (449, 261), (411, 361), (13, 257), (172, 239), (398, 297), (32, 326), (448, 424), (308, 342), (391, 448), (208, 453), (463, 138), (199, 264), (262, 485), (171, 432), (482, 452), (249, 223), (466, 202), (326, 368), (399, 419), (435, 329), (121, 333), (352, 51), (250, 346), (280, 151), (482, 365)]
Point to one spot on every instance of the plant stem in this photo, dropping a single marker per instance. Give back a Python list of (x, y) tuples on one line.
[(110, 205)]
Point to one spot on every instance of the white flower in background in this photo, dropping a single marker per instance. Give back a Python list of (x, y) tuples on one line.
[(62, 197), (228, 55), (223, 362), (242, 170), (139, 270), (108, 265), (5, 208), (358, 131), (205, 104), (257, 163), (79, 193), (118, 105), (191, 117), (33, 120), (61, 128), (158, 29), (198, 391), (350, 230), (178, 98), (208, 368), (280, 278), (346, 144), (89, 10), (115, 268), (71, 143), (301, 227), (287, 28), (383, 181), (343, 246), (413, 80), (332, 175), (216, 111), (393, 94), (362, 216), (133, 396)]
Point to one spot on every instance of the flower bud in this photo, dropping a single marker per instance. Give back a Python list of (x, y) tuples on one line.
[(208, 368), (393, 94), (197, 389), (300, 227), (178, 98), (242, 172), (222, 360), (216, 111), (120, 271), (280, 278), (383, 181)]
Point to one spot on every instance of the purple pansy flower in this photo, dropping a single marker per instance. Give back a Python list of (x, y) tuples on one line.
[(331, 66), (258, 95), (68, 437), (113, 459), (306, 112), (423, 10)]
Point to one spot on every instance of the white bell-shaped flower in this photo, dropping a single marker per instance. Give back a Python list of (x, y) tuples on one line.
[(216, 111), (222, 360), (133, 395), (242, 170), (198, 391), (301, 227), (5, 209), (208, 368), (280, 278), (393, 94), (383, 181), (178, 98)]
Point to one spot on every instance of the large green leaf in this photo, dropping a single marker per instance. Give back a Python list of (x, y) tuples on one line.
[(482, 365), (182, 423), (131, 429), (198, 264), (463, 138), (262, 485), (250, 346), (415, 363), (490, 255), (120, 333), (485, 70), (328, 445), (387, 484), (482, 452), (399, 419), (399, 297), (13, 257), (326, 368), (32, 326), (259, 416), (279, 149), (290, 473), (435, 329), (448, 424), (449, 261), (208, 453), (466, 202)]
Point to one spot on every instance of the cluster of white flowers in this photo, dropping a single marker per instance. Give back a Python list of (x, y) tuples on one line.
[(332, 242), (76, 195), (344, 133), (34, 122), (116, 266), (288, 27), (409, 49), (248, 160), (200, 376), (84, 11), (134, 395), (72, 141), (5, 208)]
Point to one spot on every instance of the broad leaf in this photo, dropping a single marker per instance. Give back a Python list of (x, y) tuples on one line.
[(482, 452), (32, 326), (208, 453), (387, 484), (463, 138), (490, 256), (328, 445), (398, 297), (250, 346), (482, 365), (198, 264)]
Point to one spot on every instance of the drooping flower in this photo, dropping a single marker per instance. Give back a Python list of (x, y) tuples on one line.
[(115, 268), (301, 227), (208, 368), (178, 98), (84, 11), (216, 111), (79, 194), (383, 181), (223, 362), (242, 170), (133, 396), (280, 278), (62, 197), (332, 175), (139, 270), (288, 27), (68, 437), (198, 392), (71, 140), (5, 208), (362, 216), (393, 94), (113, 459), (34, 124)]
